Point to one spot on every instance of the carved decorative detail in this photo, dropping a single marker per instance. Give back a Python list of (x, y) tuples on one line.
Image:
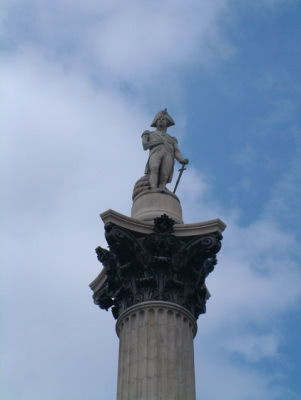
[(158, 266), (164, 224)]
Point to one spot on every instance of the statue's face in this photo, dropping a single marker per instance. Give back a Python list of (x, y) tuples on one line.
[(162, 122)]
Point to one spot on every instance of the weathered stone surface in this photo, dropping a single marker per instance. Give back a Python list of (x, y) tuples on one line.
[(156, 358), (153, 203), (163, 150), (146, 227), (159, 265)]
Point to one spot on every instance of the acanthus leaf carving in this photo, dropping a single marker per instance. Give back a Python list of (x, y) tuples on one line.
[(157, 266)]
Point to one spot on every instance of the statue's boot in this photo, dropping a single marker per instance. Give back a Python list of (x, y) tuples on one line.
[(163, 182)]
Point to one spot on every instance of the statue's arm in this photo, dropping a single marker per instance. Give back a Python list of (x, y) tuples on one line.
[(178, 155), (147, 142)]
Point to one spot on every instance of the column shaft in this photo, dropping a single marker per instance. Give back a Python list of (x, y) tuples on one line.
[(156, 352)]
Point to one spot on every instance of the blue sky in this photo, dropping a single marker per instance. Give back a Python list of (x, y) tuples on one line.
[(80, 82)]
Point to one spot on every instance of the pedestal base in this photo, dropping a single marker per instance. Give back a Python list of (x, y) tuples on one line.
[(156, 359), (154, 203)]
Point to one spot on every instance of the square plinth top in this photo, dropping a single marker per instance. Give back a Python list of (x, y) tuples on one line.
[(144, 227)]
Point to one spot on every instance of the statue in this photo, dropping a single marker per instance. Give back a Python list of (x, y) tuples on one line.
[(163, 150)]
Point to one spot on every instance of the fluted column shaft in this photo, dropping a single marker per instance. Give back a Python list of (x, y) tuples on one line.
[(156, 360)]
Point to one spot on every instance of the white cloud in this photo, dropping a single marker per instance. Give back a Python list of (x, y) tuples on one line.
[(257, 263), (132, 42), (142, 39), (218, 377), (72, 150), (254, 347), (64, 136)]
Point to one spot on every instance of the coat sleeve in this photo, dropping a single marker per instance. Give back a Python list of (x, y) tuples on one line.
[(145, 140), (178, 155)]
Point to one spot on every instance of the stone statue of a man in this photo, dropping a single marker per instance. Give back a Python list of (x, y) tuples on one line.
[(163, 150)]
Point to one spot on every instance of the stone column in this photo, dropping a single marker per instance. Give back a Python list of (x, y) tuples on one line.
[(154, 282), (156, 352)]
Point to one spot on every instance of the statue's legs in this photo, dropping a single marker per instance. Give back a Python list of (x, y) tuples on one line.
[(154, 166), (160, 165), (166, 168), (153, 180)]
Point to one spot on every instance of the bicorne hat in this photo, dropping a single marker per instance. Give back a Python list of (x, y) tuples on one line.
[(166, 115)]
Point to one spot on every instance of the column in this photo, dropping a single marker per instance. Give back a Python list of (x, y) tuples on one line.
[(156, 359)]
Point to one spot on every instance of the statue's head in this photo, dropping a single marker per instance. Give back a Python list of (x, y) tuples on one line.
[(163, 116)]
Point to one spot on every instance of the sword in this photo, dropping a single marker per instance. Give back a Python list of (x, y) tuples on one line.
[(181, 170)]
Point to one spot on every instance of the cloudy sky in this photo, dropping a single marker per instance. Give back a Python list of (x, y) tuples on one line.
[(80, 81)]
